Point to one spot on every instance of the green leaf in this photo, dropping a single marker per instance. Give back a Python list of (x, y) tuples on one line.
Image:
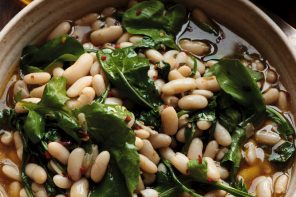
[(284, 126), (233, 156), (128, 72), (151, 118), (235, 80), (64, 48), (151, 19), (163, 72), (198, 170), (177, 182), (256, 76), (7, 119), (112, 184), (112, 133), (34, 127), (283, 152), (55, 93)]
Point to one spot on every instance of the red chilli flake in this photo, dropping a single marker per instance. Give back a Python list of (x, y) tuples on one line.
[(83, 170), (138, 12), (155, 77), (66, 143), (47, 155), (117, 46), (128, 118), (103, 58), (210, 180), (199, 159), (137, 127)]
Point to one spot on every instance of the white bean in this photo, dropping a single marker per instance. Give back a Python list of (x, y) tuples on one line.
[(135, 39), (213, 172), (99, 167), (153, 55), (20, 87), (74, 163), (39, 190), (149, 152), (37, 78), (216, 193), (11, 172), (182, 58), (95, 68), (250, 154), (80, 188), (281, 185), (283, 101), (62, 29), (195, 47), (98, 84), (139, 143), (206, 93), (179, 161), (37, 92), (170, 100), (193, 102), (160, 140), (79, 69), (86, 97), (179, 86), (57, 72), (185, 71), (125, 44), (271, 76), (142, 133), (169, 120), (174, 74), (18, 142), (106, 35), (271, 96), (149, 193), (169, 55), (222, 136), (183, 120), (87, 19), (158, 84), (7, 138), (221, 153), (148, 179), (147, 165), (19, 106), (113, 101), (14, 189), (23, 193), (75, 89), (62, 181), (36, 173), (263, 188), (224, 174), (167, 153), (203, 124), (195, 149), (124, 38), (211, 149), (267, 137), (208, 83), (59, 152)]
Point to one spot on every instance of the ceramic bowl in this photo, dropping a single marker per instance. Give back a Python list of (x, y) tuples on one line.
[(241, 16)]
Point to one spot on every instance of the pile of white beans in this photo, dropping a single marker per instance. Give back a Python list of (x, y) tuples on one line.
[(86, 81)]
